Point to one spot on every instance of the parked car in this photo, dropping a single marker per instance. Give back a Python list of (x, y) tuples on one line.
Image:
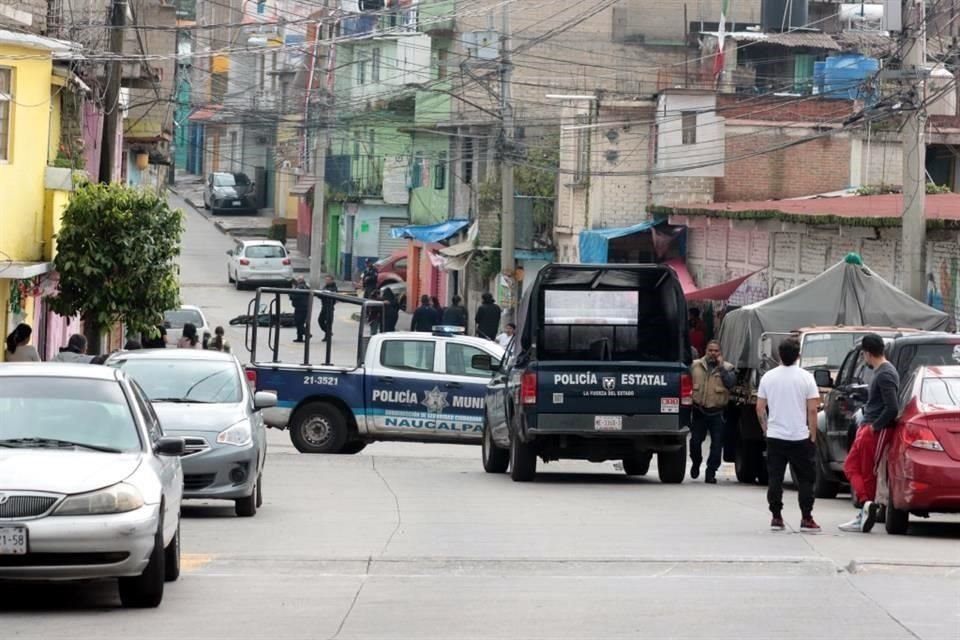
[(259, 262), (923, 461), (203, 397), (228, 192), (175, 319), (391, 269), (848, 393), (90, 484)]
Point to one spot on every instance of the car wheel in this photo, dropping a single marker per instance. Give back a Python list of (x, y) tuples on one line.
[(897, 521), (638, 464), (495, 459), (146, 590), (523, 460), (353, 447), (672, 465), (259, 491), (823, 486), (318, 428), (171, 558), (247, 507)]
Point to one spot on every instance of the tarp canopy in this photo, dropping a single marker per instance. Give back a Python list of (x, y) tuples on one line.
[(595, 243), (431, 232), (847, 293), (720, 291), (456, 256)]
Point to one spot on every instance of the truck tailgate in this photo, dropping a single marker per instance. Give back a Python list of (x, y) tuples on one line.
[(609, 388)]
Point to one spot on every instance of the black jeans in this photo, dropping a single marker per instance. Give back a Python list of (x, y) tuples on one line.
[(801, 456), (702, 424)]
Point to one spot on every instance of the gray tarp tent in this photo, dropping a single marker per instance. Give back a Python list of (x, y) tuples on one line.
[(847, 293)]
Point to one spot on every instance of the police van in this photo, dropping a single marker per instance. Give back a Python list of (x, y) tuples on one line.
[(418, 387)]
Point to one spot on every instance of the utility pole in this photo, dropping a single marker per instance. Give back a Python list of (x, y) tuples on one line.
[(321, 144), (914, 225), (507, 219), (114, 76)]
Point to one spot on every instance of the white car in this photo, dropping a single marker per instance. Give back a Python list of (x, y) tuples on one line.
[(90, 487), (175, 319), (259, 262)]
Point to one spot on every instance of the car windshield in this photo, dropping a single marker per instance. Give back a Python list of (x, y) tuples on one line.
[(178, 317), (170, 380), (265, 251), (54, 412), (224, 180), (827, 350), (941, 391)]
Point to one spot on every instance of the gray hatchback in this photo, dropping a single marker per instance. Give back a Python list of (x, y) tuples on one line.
[(202, 396)]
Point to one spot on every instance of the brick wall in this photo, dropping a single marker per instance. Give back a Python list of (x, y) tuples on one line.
[(772, 109), (667, 190), (817, 166)]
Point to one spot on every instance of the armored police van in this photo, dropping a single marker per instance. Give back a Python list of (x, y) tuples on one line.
[(599, 370)]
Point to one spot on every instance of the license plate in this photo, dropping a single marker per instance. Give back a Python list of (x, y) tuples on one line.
[(13, 541), (236, 203), (669, 405), (608, 423)]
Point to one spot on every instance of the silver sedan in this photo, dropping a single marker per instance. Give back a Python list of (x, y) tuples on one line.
[(90, 486), (203, 397)]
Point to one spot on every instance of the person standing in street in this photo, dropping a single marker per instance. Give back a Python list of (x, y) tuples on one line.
[(712, 381), (218, 342), (488, 318), (369, 280), (391, 310), (75, 351), (326, 309), (425, 318), (19, 348), (456, 314), (504, 338), (869, 446), (300, 302), (792, 397), (189, 338)]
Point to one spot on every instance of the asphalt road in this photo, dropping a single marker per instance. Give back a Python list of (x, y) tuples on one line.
[(409, 541)]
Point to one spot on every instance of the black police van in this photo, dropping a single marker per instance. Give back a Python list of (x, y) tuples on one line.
[(598, 370)]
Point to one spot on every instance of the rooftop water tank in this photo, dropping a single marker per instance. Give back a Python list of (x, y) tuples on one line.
[(849, 77), (941, 92)]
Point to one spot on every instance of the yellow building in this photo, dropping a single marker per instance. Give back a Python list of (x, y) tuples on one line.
[(34, 191)]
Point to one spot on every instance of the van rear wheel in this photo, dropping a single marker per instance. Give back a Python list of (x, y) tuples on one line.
[(672, 465), (638, 464), (523, 460)]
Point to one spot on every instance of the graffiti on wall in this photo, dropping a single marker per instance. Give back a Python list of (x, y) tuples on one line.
[(943, 279)]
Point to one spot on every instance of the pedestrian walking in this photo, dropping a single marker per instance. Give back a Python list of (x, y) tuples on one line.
[(75, 351), (375, 314), (868, 451), (712, 381), (218, 342), (504, 338), (369, 279), (435, 303), (300, 302), (488, 318), (792, 397), (456, 314), (391, 310), (189, 338), (326, 309), (18, 345), (425, 318)]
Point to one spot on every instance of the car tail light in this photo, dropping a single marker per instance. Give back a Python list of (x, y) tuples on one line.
[(251, 377), (244, 262), (528, 388), (919, 436), (286, 262), (686, 389)]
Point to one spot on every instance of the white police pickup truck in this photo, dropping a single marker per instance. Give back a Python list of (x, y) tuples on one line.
[(410, 386)]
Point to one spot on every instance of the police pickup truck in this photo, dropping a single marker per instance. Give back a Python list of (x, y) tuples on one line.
[(409, 386), (599, 370)]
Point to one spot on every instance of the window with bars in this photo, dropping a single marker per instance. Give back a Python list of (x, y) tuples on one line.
[(582, 160), (6, 102)]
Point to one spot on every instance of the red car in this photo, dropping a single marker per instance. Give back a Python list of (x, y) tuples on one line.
[(393, 268), (923, 459)]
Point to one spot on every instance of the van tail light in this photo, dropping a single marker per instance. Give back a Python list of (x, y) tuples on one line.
[(251, 377), (286, 262), (919, 436), (686, 389), (528, 388), (244, 262)]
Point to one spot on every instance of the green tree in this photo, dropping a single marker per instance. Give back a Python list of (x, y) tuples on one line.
[(116, 256)]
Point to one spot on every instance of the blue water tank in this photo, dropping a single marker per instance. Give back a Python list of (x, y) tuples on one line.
[(850, 77)]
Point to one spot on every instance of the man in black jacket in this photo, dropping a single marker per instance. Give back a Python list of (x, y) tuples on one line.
[(488, 318), (300, 303), (370, 278), (425, 318), (869, 446), (456, 314), (326, 309)]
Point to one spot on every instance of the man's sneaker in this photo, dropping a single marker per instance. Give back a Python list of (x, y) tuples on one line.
[(695, 471), (855, 525), (809, 525), (776, 523), (868, 516), (710, 479)]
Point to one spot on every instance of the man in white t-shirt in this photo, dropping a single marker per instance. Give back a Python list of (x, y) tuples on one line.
[(791, 395)]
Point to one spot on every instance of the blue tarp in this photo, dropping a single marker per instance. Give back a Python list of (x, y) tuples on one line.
[(431, 232), (595, 243)]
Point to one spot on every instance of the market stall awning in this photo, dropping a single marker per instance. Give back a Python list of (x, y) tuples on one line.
[(720, 291), (457, 256), (431, 232), (595, 243)]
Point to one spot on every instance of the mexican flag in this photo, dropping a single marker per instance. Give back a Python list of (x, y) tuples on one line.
[(721, 39)]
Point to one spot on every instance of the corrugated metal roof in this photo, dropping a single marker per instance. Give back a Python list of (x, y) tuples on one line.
[(792, 39), (31, 41)]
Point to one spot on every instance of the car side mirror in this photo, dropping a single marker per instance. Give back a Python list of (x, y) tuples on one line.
[(823, 377), (170, 446), (264, 400), (483, 362)]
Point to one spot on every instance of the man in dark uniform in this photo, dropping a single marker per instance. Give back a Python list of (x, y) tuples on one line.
[(326, 309), (300, 304)]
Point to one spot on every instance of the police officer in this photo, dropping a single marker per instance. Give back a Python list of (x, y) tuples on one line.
[(712, 381), (300, 304)]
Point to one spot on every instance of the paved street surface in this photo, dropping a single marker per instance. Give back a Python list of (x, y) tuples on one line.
[(408, 541)]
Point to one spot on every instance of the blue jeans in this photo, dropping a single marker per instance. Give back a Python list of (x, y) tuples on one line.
[(704, 423)]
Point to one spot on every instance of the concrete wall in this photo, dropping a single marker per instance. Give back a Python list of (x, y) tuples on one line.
[(428, 204), (681, 116)]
